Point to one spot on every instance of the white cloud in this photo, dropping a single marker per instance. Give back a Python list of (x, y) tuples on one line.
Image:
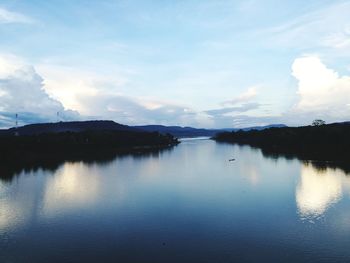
[(8, 17), (9, 64), (243, 121), (103, 96), (22, 91), (94, 96), (135, 111), (67, 84), (242, 98), (231, 112), (242, 108), (322, 91)]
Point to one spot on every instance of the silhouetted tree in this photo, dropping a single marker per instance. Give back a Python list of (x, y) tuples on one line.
[(318, 122)]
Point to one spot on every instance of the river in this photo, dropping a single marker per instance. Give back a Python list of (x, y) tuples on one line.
[(185, 204)]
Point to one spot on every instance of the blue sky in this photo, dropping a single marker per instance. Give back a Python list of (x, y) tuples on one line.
[(205, 63)]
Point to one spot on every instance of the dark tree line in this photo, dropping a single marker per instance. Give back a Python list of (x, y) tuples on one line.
[(317, 142), (50, 149)]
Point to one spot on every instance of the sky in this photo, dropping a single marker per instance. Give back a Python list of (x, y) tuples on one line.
[(200, 63)]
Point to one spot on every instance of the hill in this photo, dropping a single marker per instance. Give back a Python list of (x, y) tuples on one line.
[(77, 135), (74, 126), (31, 145)]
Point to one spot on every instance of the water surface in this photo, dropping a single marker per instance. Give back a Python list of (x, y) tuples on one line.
[(186, 204)]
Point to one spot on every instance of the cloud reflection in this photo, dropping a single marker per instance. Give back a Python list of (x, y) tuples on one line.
[(74, 185), (17, 204), (318, 189)]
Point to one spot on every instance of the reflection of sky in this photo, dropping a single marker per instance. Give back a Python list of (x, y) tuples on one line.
[(18, 201), (73, 185), (10, 213), (318, 190)]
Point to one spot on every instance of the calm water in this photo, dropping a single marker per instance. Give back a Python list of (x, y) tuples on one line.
[(188, 204)]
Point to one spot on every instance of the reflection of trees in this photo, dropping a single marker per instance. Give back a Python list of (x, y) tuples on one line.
[(33, 161), (48, 150), (319, 165)]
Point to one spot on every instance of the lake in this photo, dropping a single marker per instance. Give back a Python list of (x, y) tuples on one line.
[(185, 204)]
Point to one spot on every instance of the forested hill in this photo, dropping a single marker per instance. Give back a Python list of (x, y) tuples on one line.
[(36, 143), (324, 142), (74, 126), (79, 135)]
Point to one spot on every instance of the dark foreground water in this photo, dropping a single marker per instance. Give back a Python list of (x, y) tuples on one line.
[(187, 204)]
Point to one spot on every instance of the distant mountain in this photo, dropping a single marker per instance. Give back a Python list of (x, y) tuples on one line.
[(182, 132), (178, 131), (74, 126), (259, 128)]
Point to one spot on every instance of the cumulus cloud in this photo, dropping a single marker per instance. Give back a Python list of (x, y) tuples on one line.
[(22, 91), (67, 84), (7, 17), (322, 91), (9, 64)]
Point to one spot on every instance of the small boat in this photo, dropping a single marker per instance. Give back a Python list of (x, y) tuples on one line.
[(230, 160)]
